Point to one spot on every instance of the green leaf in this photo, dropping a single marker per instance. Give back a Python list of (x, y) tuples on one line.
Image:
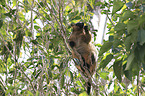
[(14, 3), (141, 19), (91, 4), (132, 25), (127, 43), (116, 43), (104, 75), (41, 4), (1, 23), (71, 75), (117, 67), (127, 14), (79, 82), (76, 18), (130, 59), (8, 14), (105, 47), (143, 65), (83, 94), (62, 81), (34, 42), (140, 51), (111, 38), (104, 63), (37, 93), (37, 27), (141, 36), (127, 73), (21, 16), (134, 36), (55, 88), (29, 93), (117, 5), (3, 3), (120, 26)]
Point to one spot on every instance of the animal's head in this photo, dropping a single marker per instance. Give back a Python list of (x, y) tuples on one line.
[(78, 27)]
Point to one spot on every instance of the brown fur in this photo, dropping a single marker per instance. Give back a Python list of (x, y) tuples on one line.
[(83, 49)]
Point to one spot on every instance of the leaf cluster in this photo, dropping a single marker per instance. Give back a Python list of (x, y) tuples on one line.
[(124, 51)]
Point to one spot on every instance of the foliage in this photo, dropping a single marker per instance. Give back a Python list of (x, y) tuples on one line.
[(36, 60), (126, 43), (34, 55)]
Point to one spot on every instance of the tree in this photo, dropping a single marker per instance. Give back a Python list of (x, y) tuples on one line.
[(35, 58)]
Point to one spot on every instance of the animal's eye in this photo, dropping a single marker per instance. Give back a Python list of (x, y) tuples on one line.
[(72, 44)]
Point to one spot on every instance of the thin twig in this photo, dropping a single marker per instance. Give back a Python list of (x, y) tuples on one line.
[(18, 63), (138, 84), (53, 6), (27, 77), (110, 19)]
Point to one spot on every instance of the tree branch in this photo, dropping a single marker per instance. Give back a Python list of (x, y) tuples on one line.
[(18, 63), (109, 19)]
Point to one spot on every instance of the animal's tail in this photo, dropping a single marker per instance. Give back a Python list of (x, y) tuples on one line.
[(88, 88)]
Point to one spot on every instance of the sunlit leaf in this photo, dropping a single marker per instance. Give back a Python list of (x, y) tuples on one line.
[(29, 93), (83, 94), (21, 16), (14, 3), (37, 93), (73, 2), (104, 75)]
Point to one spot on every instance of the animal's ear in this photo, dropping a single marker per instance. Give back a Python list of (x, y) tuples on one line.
[(86, 28), (80, 24)]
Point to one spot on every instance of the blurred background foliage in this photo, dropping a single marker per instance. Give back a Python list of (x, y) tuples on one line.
[(35, 59)]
